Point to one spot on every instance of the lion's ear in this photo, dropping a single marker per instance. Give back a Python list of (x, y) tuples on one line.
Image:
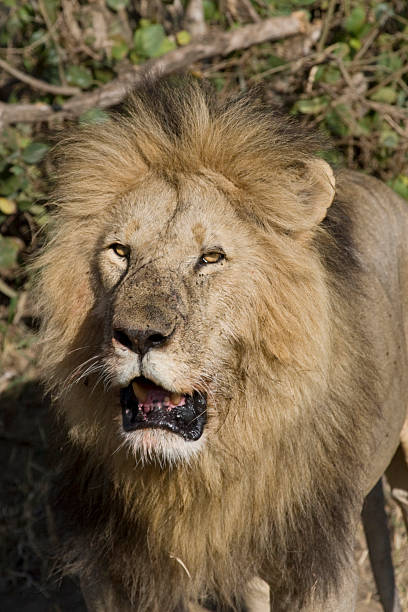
[(315, 190)]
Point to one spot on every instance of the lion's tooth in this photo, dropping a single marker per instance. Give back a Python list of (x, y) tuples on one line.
[(140, 393), (175, 398)]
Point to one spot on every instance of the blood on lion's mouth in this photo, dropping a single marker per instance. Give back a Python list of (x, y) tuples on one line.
[(146, 405)]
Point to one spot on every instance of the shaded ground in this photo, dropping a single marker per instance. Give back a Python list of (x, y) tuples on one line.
[(26, 522)]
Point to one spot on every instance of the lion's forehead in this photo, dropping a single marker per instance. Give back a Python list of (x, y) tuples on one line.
[(192, 216)]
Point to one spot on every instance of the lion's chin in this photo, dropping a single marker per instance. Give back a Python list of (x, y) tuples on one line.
[(160, 447)]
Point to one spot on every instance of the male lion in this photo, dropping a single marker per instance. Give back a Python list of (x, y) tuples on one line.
[(225, 341)]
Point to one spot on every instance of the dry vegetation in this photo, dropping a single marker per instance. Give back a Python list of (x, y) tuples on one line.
[(341, 65)]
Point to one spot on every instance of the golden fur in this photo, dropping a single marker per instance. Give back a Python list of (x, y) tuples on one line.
[(275, 486)]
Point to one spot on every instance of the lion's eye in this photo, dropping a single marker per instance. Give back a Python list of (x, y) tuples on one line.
[(212, 257), (120, 249)]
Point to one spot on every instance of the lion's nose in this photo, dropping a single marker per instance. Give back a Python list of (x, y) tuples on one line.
[(140, 340)]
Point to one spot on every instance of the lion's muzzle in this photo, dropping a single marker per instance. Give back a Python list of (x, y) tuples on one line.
[(146, 405)]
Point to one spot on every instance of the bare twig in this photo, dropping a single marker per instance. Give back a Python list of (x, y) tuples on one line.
[(326, 25), (392, 111), (395, 126), (68, 10), (124, 22), (296, 64), (370, 38), (194, 21), (240, 10), (63, 90), (389, 79), (112, 93), (44, 13), (6, 290)]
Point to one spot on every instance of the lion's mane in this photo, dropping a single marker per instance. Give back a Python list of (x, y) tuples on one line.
[(274, 490)]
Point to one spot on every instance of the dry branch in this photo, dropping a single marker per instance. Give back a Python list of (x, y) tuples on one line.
[(62, 90), (194, 21), (112, 93)]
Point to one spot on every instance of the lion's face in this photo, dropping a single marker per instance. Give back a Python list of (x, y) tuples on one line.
[(174, 267), (182, 273)]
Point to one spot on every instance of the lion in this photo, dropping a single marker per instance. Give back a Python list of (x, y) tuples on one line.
[(224, 332)]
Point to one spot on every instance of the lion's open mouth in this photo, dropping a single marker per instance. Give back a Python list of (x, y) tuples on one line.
[(145, 405)]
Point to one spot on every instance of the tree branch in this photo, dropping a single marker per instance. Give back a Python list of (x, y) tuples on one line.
[(112, 93), (62, 90), (194, 21)]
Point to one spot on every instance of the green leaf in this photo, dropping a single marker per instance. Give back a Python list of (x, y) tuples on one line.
[(401, 98), (52, 7), (36, 35), (312, 106), (183, 37), (400, 185), (103, 75), (93, 115), (149, 39), (356, 20), (8, 207), (120, 50), (274, 61), (13, 25), (365, 125), (355, 44), (23, 141), (51, 56), (17, 170), (332, 157), (219, 83), (390, 60), (12, 184), (25, 14), (24, 204), (36, 209), (386, 95), (382, 9), (341, 50), (116, 5), (335, 122), (42, 220), (389, 138), (79, 76), (35, 152), (166, 46), (135, 58), (366, 29), (210, 9), (9, 248), (328, 74)]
